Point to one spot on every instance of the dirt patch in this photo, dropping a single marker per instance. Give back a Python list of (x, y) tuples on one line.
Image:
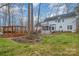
[(33, 38), (8, 35)]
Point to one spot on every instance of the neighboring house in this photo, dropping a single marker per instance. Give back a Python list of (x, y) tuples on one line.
[(12, 29), (77, 12), (60, 23)]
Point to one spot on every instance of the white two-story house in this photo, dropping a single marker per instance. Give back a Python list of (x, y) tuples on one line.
[(60, 23)]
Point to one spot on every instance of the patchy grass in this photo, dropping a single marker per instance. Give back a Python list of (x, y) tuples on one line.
[(55, 44)]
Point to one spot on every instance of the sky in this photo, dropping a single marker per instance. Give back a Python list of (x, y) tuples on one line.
[(46, 10)]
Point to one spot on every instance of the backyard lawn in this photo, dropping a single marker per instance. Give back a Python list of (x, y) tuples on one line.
[(57, 44)]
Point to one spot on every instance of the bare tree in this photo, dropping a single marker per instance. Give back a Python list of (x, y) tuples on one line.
[(22, 16), (31, 22), (8, 14), (30, 18), (38, 17)]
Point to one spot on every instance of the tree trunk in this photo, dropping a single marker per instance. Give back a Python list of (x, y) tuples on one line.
[(30, 18), (31, 22), (8, 28), (38, 18)]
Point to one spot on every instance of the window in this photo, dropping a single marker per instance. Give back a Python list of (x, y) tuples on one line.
[(45, 27), (55, 20), (60, 26), (69, 27), (62, 20), (59, 20)]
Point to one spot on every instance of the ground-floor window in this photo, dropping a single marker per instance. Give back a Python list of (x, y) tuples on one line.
[(45, 27), (69, 27), (60, 26)]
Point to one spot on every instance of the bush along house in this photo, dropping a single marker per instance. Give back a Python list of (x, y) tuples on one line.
[(60, 23)]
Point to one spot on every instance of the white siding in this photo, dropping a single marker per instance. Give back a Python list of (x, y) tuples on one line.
[(67, 21)]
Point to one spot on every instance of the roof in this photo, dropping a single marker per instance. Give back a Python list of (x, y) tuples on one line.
[(72, 14), (38, 24)]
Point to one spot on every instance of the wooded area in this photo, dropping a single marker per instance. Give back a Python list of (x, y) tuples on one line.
[(12, 20)]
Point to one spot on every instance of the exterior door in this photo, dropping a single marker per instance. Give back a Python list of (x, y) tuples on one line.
[(53, 28)]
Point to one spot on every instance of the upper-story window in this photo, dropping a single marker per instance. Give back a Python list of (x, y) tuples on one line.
[(59, 20), (56, 20), (62, 20)]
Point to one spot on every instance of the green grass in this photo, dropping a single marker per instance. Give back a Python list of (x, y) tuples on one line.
[(55, 44)]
